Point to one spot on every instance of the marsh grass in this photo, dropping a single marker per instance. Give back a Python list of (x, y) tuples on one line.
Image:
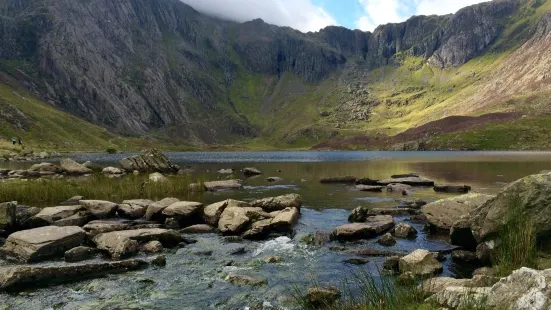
[(49, 192), (517, 241)]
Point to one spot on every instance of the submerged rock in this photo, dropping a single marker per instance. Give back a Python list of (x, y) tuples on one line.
[(387, 240), (22, 277), (393, 211), (152, 247), (274, 179), (398, 188), (403, 230), (369, 188), (406, 175), (38, 244)]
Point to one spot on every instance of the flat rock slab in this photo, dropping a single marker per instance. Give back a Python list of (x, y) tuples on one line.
[(183, 209), (445, 212), (278, 203), (372, 227), (413, 181), (369, 188), (53, 214), (214, 186), (22, 277), (72, 167), (100, 208), (41, 243), (169, 238)]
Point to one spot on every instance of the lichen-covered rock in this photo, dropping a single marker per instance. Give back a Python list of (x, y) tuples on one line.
[(38, 244), (443, 213)]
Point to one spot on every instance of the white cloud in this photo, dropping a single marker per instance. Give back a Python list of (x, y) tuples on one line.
[(378, 12), (298, 14)]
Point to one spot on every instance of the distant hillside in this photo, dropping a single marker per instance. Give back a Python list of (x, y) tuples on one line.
[(161, 70)]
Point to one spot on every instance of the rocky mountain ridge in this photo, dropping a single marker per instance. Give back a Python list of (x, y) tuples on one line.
[(159, 67)]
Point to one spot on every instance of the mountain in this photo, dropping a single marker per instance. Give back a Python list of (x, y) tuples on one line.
[(160, 69)]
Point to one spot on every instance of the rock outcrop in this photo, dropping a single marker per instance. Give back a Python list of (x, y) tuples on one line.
[(149, 160)]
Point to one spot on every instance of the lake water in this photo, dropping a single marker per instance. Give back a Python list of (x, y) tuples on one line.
[(191, 281)]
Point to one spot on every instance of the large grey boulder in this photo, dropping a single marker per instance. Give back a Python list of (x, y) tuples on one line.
[(279, 222), (372, 227), (251, 171), (46, 167), (95, 228), (23, 277), (212, 212), (41, 243), (154, 210), (421, 263), (278, 203), (72, 167), (443, 213), (182, 210), (233, 220), (149, 160), (7, 214), (53, 214), (134, 208), (100, 208)]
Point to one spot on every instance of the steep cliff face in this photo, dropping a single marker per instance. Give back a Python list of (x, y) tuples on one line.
[(158, 66)]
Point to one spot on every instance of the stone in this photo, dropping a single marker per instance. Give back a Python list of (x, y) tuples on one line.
[(464, 257), (139, 202), (358, 215), (343, 180), (233, 220), (393, 211), (421, 263), (411, 203), (373, 226), (403, 230), (43, 155), (92, 166), (23, 215), (212, 212), (366, 181), (53, 214), (237, 251), (95, 228), (8, 216), (111, 170), (443, 213), (452, 188), (251, 171), (78, 219), (214, 186), (159, 261), (149, 160), (274, 179), (18, 278), (46, 167), (322, 296), (72, 167), (198, 229), (245, 280), (435, 285), (387, 240), (171, 223), (459, 297), (152, 247), (157, 177), (285, 220), (154, 210), (278, 203), (461, 234), (406, 175), (357, 261), (485, 251), (272, 259), (413, 181), (100, 208), (118, 247), (183, 210), (131, 211), (525, 288), (392, 263), (80, 253), (38, 244), (168, 238), (225, 171), (369, 188), (398, 188)]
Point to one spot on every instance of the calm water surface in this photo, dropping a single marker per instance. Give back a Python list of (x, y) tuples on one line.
[(193, 281)]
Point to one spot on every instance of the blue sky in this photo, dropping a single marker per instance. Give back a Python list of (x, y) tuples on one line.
[(312, 15)]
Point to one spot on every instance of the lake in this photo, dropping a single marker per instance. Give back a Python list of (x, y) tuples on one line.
[(193, 281)]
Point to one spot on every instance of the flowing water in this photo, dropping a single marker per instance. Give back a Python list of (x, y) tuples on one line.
[(194, 281)]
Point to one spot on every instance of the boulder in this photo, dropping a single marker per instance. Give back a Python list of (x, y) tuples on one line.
[(403, 230), (38, 244), (120, 244), (78, 219), (411, 203), (460, 297), (435, 285), (278, 203), (398, 188), (274, 179), (225, 171), (112, 170), (152, 247), (387, 240), (154, 210), (198, 229), (80, 253), (461, 256), (358, 215), (413, 181), (18, 278), (251, 171), (245, 280), (72, 167), (369, 188), (212, 212), (343, 180), (233, 220), (392, 263), (157, 177), (159, 261), (131, 211), (420, 263), (92, 166), (46, 167), (95, 228), (183, 210), (442, 214), (53, 214), (452, 188), (214, 186), (282, 222), (149, 160), (100, 208), (24, 214), (322, 296), (7, 215), (373, 226), (393, 211)]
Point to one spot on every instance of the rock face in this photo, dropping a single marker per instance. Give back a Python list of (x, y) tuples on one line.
[(278, 203), (41, 243), (72, 167), (443, 213), (149, 160), (22, 277), (420, 263), (373, 226)]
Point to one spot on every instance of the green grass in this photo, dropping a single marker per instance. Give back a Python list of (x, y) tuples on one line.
[(50, 192)]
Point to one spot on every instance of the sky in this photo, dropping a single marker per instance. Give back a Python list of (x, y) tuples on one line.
[(312, 15)]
